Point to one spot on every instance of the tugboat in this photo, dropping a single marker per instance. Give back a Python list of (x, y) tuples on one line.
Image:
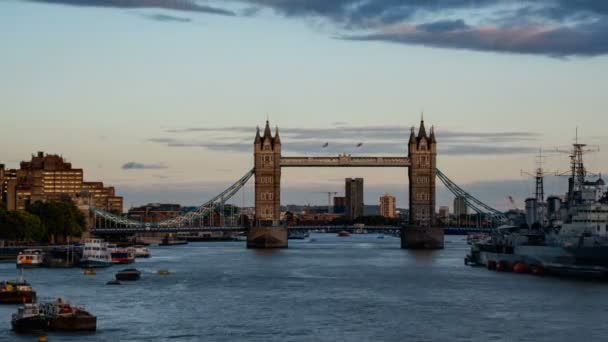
[(129, 274), (95, 254), (16, 292), (63, 316), (30, 258), (29, 319)]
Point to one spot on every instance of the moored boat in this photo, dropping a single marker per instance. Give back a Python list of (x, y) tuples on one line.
[(30, 258), (16, 292), (122, 255), (343, 233), (141, 252), (95, 254), (171, 241)]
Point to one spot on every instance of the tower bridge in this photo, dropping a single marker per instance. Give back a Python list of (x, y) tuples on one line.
[(267, 232)]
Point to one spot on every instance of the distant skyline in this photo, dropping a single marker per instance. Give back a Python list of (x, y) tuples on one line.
[(161, 98)]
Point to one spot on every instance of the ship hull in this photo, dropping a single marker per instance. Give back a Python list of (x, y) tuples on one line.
[(17, 297), (74, 323), (30, 324)]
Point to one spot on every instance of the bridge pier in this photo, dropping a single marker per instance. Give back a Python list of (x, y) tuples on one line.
[(267, 237), (422, 238)]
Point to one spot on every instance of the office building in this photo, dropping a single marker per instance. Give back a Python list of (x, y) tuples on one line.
[(388, 206), (353, 198)]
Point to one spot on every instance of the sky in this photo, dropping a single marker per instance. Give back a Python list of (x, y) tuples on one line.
[(161, 98)]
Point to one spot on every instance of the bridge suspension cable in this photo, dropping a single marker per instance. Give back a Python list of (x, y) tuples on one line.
[(474, 203), (198, 213)]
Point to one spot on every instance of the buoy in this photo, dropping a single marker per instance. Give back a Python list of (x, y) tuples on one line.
[(520, 267), (491, 265), (538, 270)]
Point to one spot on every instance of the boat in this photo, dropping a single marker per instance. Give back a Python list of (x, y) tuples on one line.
[(63, 316), (292, 235), (113, 282), (171, 241), (129, 274), (30, 258), (95, 254), (90, 271), (343, 233), (29, 319), (122, 255), (141, 251), (16, 292)]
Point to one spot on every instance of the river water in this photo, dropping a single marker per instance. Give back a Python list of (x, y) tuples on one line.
[(358, 288)]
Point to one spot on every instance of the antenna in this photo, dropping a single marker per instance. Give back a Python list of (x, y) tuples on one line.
[(577, 172), (539, 176)]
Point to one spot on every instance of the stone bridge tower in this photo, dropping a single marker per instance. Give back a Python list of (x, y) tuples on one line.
[(422, 151), (267, 164)]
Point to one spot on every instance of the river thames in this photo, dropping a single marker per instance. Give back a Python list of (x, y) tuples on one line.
[(359, 288)]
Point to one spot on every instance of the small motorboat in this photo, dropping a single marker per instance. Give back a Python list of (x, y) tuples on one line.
[(343, 233), (163, 272), (129, 274), (90, 271)]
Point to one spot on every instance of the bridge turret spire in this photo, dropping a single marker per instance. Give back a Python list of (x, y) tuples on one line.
[(422, 131), (277, 139), (258, 138), (432, 138), (267, 133), (413, 135)]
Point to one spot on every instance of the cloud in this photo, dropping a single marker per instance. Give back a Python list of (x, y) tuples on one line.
[(166, 18), (141, 166), (582, 40), (557, 28), (344, 139), (177, 5)]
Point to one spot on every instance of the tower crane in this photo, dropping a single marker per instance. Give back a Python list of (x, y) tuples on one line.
[(329, 204)]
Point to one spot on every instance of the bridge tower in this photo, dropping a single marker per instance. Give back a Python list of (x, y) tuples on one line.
[(267, 164), (422, 232), (266, 231), (422, 151)]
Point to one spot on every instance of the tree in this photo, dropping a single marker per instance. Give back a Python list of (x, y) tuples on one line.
[(59, 218), (20, 225)]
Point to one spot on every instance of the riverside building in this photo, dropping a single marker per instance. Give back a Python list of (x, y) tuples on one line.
[(48, 177)]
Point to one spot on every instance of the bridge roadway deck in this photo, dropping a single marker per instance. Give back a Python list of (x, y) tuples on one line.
[(151, 230), (345, 160)]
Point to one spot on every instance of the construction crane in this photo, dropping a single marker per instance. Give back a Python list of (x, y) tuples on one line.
[(329, 203)]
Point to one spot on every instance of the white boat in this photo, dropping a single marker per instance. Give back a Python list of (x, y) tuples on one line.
[(142, 252), (30, 258), (96, 254)]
